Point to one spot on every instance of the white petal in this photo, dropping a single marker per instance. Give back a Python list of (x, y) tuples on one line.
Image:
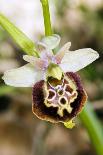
[(76, 60), (37, 62), (59, 56), (41, 46), (30, 59), (25, 76), (50, 42)]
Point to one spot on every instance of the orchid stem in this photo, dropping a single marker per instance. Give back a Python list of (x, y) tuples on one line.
[(46, 15), (87, 116), (94, 128)]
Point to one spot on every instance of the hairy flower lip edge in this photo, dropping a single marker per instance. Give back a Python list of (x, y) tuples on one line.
[(77, 111)]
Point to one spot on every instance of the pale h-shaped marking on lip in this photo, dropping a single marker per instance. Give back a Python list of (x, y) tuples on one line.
[(68, 95), (62, 106)]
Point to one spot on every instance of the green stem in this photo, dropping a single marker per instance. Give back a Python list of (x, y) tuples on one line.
[(46, 15), (94, 128), (87, 116)]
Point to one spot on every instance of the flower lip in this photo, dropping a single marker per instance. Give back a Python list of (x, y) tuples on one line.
[(51, 113)]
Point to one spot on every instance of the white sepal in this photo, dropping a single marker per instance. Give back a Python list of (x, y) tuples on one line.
[(30, 59), (50, 42), (73, 61), (25, 76)]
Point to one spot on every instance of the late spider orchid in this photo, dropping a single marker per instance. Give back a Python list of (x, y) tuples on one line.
[(58, 95)]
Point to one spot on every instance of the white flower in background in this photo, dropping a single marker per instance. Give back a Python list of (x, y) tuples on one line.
[(58, 95)]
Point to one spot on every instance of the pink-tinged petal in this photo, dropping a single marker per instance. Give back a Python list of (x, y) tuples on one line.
[(37, 62), (41, 64), (73, 61), (25, 76), (59, 56)]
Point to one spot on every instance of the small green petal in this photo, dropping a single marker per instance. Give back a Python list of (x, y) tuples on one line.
[(70, 124), (54, 71)]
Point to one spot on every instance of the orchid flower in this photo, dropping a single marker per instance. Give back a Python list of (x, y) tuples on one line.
[(58, 95)]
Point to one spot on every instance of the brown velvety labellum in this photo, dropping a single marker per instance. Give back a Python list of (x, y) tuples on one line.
[(58, 101)]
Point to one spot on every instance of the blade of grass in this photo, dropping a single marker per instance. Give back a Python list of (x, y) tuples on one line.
[(20, 38), (93, 126)]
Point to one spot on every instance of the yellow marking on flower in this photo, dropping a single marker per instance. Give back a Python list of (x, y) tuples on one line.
[(46, 95), (62, 106), (61, 109), (70, 124)]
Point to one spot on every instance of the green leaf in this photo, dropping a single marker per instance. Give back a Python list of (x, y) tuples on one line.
[(93, 126), (20, 38)]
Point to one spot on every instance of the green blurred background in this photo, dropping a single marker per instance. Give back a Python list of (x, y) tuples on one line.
[(21, 133)]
